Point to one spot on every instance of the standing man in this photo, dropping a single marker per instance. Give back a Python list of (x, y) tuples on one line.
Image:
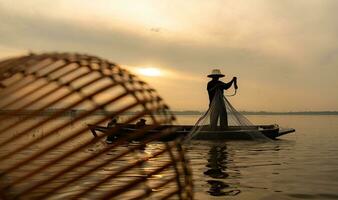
[(217, 107)]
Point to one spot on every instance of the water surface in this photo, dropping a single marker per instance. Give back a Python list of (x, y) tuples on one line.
[(301, 165)]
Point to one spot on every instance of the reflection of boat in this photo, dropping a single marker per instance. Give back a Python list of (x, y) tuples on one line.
[(232, 133)]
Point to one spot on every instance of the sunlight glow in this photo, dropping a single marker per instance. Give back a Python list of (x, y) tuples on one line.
[(149, 71)]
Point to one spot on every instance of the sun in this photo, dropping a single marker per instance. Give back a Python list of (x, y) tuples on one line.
[(149, 71)]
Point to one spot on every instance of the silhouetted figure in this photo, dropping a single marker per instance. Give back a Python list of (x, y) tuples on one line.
[(141, 123), (112, 123), (215, 91), (113, 136)]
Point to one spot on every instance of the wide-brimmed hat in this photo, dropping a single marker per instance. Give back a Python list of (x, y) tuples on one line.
[(216, 73)]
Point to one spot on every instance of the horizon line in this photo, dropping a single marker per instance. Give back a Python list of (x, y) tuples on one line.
[(176, 112)]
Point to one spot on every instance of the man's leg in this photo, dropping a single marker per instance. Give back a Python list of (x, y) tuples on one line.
[(214, 114), (223, 118)]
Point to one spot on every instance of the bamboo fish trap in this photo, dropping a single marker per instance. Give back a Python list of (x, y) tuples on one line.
[(47, 151)]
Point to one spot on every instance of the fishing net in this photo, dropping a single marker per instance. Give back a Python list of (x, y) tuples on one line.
[(223, 121)]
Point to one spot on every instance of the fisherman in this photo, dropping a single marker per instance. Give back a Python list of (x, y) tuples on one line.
[(141, 123), (112, 123), (216, 101)]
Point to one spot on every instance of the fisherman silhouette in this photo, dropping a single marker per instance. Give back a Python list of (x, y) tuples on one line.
[(216, 103), (112, 123), (141, 123)]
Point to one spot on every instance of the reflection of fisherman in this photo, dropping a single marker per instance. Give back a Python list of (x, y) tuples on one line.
[(217, 170), (216, 101)]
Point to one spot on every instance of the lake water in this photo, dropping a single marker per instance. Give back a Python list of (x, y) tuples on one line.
[(301, 165)]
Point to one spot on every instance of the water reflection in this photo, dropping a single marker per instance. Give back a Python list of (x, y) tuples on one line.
[(217, 170)]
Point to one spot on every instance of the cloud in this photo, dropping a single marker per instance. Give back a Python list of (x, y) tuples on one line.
[(277, 49)]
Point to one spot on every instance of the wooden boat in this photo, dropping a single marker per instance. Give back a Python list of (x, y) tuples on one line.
[(232, 133)]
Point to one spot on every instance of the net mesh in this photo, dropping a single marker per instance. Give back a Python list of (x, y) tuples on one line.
[(222, 120)]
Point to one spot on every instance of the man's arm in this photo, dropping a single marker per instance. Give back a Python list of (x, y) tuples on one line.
[(226, 86)]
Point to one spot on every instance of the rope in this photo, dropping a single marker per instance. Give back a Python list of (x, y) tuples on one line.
[(231, 95)]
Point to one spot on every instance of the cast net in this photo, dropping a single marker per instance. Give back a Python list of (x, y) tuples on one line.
[(223, 121)]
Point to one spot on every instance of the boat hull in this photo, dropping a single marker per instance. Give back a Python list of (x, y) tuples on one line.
[(233, 133)]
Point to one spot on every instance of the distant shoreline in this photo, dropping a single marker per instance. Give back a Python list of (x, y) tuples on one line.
[(291, 113), (265, 113), (102, 112)]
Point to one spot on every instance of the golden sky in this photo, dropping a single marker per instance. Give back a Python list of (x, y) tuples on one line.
[(284, 53)]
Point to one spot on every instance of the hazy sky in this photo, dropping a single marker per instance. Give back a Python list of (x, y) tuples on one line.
[(284, 53)]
